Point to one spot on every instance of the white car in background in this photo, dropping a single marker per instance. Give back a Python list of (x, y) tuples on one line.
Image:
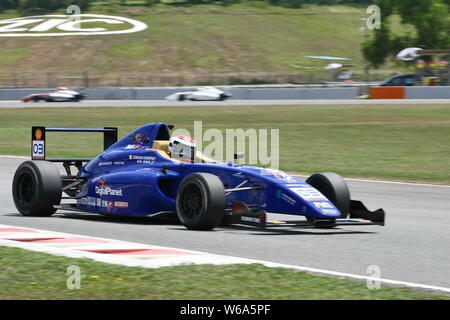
[(62, 94), (201, 94)]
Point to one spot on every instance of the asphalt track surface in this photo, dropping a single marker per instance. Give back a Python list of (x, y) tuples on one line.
[(414, 246), (164, 103)]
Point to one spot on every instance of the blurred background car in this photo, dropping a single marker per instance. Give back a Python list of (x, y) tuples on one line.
[(62, 94), (401, 80), (201, 94)]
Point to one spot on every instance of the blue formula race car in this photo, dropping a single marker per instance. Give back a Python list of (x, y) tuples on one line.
[(139, 175)]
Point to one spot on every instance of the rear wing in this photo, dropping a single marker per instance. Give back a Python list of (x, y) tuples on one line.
[(38, 148)]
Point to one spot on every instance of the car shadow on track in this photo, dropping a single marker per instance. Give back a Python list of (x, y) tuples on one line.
[(280, 231), (159, 220), (296, 231), (172, 223)]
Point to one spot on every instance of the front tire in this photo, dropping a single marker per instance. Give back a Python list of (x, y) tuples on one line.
[(201, 201), (37, 187), (332, 186)]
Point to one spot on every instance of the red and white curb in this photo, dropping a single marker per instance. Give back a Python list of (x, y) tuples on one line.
[(148, 256), (105, 250)]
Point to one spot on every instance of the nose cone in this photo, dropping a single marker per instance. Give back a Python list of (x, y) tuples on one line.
[(224, 96), (302, 199)]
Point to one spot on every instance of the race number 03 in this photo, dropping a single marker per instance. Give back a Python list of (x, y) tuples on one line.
[(38, 149)]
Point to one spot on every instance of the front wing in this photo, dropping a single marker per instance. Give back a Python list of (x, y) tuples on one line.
[(359, 215)]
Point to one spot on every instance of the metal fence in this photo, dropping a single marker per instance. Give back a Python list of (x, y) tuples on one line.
[(86, 79)]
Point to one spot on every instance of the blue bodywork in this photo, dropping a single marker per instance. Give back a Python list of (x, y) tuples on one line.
[(132, 178)]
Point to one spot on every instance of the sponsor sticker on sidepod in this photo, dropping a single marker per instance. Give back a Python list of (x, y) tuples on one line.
[(68, 25), (104, 190)]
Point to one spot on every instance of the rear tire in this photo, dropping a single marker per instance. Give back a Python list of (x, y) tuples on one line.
[(201, 201), (37, 187), (332, 186)]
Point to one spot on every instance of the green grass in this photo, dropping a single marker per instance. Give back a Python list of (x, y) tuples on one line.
[(128, 49), (201, 38), (12, 56), (31, 275), (397, 142)]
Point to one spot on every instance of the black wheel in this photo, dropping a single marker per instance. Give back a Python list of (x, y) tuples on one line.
[(37, 187), (181, 97), (332, 186), (201, 201)]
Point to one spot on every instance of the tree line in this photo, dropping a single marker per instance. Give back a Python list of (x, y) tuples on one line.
[(50, 5), (427, 20), (43, 5)]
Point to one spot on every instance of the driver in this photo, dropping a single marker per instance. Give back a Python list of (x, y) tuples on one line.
[(182, 148)]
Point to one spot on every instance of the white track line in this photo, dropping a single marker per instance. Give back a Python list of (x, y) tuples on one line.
[(390, 182), (197, 258), (16, 157), (401, 183), (354, 276)]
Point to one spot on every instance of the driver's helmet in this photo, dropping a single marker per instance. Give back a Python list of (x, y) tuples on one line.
[(62, 88), (182, 148)]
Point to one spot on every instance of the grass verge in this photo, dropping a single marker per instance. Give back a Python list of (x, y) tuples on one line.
[(399, 142), (32, 275)]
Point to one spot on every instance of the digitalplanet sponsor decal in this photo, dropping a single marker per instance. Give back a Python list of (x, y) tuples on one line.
[(107, 191), (68, 25)]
